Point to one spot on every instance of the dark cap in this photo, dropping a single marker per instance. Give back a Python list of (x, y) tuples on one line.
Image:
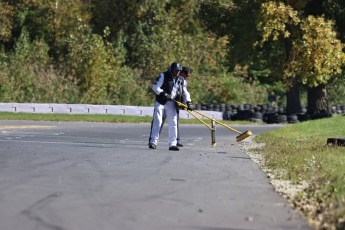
[(186, 69), (176, 66)]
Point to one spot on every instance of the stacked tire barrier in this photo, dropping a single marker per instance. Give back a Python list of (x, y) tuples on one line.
[(267, 113)]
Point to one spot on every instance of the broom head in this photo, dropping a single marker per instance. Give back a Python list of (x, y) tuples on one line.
[(243, 135)]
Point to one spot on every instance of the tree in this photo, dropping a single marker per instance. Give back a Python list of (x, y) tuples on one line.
[(142, 39), (27, 75), (237, 20), (157, 33), (6, 23), (315, 54), (332, 10), (297, 47), (113, 14)]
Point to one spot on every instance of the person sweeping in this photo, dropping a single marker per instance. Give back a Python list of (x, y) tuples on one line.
[(185, 73), (166, 88)]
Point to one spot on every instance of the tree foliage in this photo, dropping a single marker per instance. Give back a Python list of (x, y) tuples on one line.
[(275, 18), (6, 24), (27, 75), (332, 10), (111, 51), (164, 32), (236, 20), (316, 54)]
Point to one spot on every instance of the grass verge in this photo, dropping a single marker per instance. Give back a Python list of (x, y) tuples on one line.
[(299, 153), (95, 118)]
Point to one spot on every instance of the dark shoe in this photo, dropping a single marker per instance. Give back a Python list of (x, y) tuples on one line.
[(179, 145), (152, 146), (174, 148)]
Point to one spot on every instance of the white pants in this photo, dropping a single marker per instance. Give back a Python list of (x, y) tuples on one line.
[(178, 126), (157, 121)]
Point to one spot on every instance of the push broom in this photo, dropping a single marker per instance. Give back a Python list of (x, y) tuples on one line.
[(240, 137)]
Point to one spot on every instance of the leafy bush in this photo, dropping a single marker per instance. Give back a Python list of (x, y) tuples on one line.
[(98, 69), (225, 88), (28, 76)]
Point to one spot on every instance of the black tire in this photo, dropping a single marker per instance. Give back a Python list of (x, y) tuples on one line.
[(204, 106), (258, 108), (270, 110), (227, 115), (303, 117), (234, 117), (247, 106), (264, 108), (270, 118), (256, 120), (336, 142), (282, 119), (292, 119), (257, 115), (244, 115), (281, 110), (228, 107), (240, 107), (216, 107)]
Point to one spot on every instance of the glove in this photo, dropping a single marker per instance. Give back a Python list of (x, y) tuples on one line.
[(165, 96), (190, 106)]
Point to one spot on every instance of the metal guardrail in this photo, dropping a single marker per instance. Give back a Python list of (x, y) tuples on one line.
[(92, 109)]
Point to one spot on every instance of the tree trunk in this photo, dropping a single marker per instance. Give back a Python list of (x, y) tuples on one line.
[(317, 102), (293, 102)]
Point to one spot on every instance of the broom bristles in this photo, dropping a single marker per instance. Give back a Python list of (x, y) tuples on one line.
[(243, 135)]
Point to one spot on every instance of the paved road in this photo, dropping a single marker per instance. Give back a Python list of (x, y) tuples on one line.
[(99, 176)]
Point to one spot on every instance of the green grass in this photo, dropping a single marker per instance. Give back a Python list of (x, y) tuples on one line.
[(95, 118), (74, 117), (299, 153)]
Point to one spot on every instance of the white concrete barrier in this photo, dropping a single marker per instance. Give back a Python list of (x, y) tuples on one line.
[(94, 109), (7, 107)]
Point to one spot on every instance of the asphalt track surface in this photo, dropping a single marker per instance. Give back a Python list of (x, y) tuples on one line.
[(100, 176)]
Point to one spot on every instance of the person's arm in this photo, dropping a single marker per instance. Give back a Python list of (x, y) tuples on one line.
[(157, 87), (185, 94), (186, 97), (158, 84)]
